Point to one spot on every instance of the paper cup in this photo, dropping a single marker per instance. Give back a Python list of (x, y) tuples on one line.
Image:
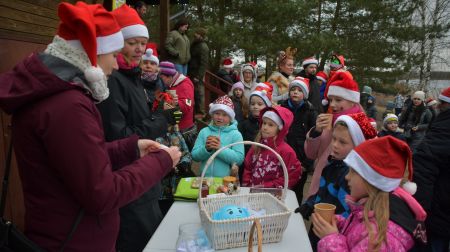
[(172, 92), (325, 210), (329, 118)]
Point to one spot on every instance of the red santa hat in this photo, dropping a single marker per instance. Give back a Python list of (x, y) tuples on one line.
[(309, 61), (90, 28), (264, 91), (130, 22), (223, 103), (445, 95), (228, 63), (430, 102), (302, 83), (341, 85), (382, 162), (359, 127), (322, 76)]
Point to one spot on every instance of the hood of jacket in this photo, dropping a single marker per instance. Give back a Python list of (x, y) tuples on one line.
[(35, 78), (241, 75), (285, 115)]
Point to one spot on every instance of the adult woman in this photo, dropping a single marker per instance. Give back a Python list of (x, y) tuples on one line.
[(415, 120), (64, 162), (125, 113), (280, 79)]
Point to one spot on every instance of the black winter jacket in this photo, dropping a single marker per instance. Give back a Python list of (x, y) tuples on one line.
[(314, 91), (431, 164), (304, 119), (249, 129)]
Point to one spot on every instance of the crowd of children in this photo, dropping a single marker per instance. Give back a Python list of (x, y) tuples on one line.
[(366, 174)]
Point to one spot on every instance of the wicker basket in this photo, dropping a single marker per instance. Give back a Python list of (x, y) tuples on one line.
[(233, 233)]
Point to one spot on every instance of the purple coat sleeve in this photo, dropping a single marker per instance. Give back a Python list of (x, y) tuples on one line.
[(123, 152), (85, 167)]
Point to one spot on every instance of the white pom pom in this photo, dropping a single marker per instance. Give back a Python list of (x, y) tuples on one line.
[(94, 74), (410, 187), (324, 102), (149, 52)]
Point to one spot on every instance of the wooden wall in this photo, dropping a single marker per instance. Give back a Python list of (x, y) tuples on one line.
[(26, 26)]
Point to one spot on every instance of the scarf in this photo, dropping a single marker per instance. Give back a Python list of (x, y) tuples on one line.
[(124, 64), (78, 57), (150, 77)]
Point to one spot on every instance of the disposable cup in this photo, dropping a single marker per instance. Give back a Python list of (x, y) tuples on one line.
[(325, 210)]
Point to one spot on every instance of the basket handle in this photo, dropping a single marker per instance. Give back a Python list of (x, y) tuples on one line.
[(214, 155), (256, 224)]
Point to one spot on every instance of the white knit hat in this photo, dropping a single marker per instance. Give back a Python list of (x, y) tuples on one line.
[(419, 94), (390, 118), (150, 56)]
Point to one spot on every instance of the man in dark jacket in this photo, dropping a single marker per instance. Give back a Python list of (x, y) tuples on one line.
[(64, 162), (197, 67), (309, 71), (432, 175)]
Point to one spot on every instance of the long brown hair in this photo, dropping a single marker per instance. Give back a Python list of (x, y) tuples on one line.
[(378, 202), (244, 103)]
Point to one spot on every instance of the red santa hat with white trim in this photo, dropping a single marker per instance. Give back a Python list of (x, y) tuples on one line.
[(359, 127), (264, 91), (228, 63), (382, 162), (445, 95), (341, 85), (302, 83), (130, 22), (92, 29), (309, 61)]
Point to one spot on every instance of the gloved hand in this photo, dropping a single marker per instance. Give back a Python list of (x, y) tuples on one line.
[(305, 210)]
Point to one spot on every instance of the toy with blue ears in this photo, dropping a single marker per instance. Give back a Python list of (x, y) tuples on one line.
[(231, 212)]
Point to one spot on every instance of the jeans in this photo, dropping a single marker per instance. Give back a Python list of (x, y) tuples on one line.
[(181, 68)]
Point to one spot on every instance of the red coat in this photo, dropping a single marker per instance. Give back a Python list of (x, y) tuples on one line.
[(64, 162), (185, 92), (264, 168)]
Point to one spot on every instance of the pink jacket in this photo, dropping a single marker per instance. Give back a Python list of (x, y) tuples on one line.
[(353, 234), (264, 168), (319, 149)]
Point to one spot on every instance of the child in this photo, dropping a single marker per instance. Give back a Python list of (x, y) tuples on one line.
[(150, 79), (348, 131), (343, 96), (304, 119), (384, 217), (390, 127), (239, 101), (261, 167), (220, 132), (259, 99)]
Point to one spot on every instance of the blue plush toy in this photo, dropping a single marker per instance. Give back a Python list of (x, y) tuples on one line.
[(231, 212)]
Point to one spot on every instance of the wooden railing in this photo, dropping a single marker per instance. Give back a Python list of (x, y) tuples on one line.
[(212, 88)]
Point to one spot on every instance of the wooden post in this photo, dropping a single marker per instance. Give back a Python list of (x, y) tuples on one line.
[(164, 9)]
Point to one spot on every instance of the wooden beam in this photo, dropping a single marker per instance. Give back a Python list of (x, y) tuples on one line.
[(164, 13)]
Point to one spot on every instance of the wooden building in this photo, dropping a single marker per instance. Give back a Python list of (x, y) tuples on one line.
[(26, 26)]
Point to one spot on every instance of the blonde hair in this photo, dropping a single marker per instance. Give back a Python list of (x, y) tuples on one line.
[(257, 149), (378, 202)]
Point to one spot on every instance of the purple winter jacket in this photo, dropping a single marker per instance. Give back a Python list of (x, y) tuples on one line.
[(353, 234), (64, 162)]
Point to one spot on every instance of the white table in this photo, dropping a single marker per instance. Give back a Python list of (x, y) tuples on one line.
[(295, 238)]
